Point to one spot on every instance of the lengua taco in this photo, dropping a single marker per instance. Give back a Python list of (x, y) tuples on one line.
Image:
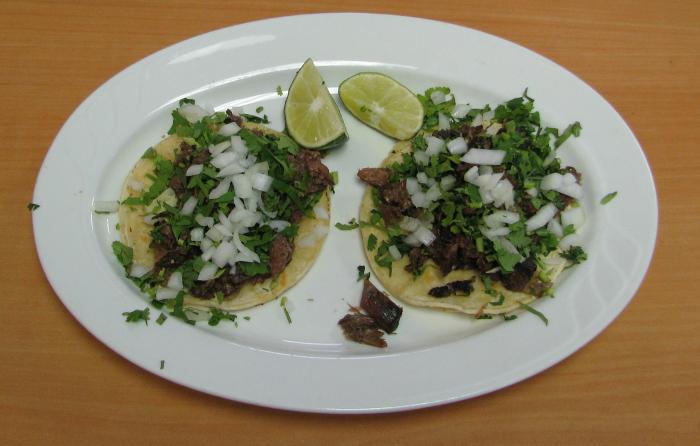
[(476, 218), (224, 213)]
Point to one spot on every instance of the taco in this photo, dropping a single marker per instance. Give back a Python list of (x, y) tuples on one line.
[(475, 218), (224, 213)]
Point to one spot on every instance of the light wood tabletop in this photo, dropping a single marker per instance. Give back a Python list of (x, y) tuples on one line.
[(638, 382)]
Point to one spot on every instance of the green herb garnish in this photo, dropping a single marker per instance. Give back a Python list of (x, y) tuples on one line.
[(137, 315), (575, 255), (161, 319), (349, 226), (361, 274), (528, 308), (283, 304), (217, 316), (124, 254), (32, 207), (608, 198)]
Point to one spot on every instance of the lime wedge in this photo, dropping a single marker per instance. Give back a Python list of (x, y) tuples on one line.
[(311, 115), (382, 103)]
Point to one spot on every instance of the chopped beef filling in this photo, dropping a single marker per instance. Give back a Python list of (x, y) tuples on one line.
[(521, 275), (280, 254), (378, 306), (308, 167), (377, 177), (358, 327), (232, 117), (459, 287), (226, 284), (416, 260)]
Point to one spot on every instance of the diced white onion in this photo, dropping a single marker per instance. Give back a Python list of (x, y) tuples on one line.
[(433, 193), (409, 224), (243, 250), (490, 157), (207, 272), (419, 200), (555, 228), (216, 149), (231, 169), (261, 182), (223, 230), (421, 157), (499, 218), (205, 244), (189, 206), (192, 112), (573, 190), (106, 206), (238, 214), (457, 146), (422, 177), (443, 122), (278, 225), (197, 234), (434, 145), (223, 219), (223, 159), (551, 181), (320, 212), (573, 216), (208, 253), (447, 182), (460, 111), (394, 252), (532, 191), (242, 186), (412, 186), (411, 240), (569, 241), (489, 181), (568, 178), (508, 246), (472, 174), (541, 218), (485, 170), (175, 281), (164, 293), (503, 194), (238, 146), (150, 219), (229, 129), (138, 270), (424, 235), (495, 232), (215, 235), (437, 96), (204, 221), (194, 169), (222, 254), (219, 190)]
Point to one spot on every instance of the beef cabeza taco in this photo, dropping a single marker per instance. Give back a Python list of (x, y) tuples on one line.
[(223, 213), (475, 218)]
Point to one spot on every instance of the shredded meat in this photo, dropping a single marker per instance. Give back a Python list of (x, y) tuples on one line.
[(446, 133), (226, 284), (416, 260), (395, 194), (378, 177), (380, 308), (521, 275), (461, 287), (307, 164), (361, 328), (390, 214), (177, 184), (280, 254)]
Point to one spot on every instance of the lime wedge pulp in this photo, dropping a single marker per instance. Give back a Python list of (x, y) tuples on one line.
[(311, 115), (382, 103)]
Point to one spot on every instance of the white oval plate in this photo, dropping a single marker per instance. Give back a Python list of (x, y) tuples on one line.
[(436, 357)]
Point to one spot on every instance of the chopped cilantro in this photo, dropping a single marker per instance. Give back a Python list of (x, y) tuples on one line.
[(259, 109), (161, 319), (371, 242), (137, 315), (162, 364), (575, 255), (283, 304), (217, 316), (509, 317), (349, 226), (334, 176), (279, 91), (246, 318), (32, 207), (124, 254), (535, 312), (573, 129), (608, 198)]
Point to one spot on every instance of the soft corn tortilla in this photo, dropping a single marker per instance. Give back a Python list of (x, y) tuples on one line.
[(135, 233), (414, 290)]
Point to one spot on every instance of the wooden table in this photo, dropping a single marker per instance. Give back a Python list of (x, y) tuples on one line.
[(636, 383)]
